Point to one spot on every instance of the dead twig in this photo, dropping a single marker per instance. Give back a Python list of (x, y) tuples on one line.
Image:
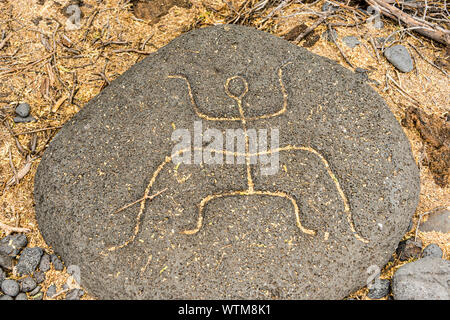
[(8, 229), (139, 200)]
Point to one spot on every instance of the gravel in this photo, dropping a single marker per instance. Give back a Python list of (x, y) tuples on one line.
[(27, 284), (380, 289), (51, 291), (432, 250), (29, 260), (39, 277), (35, 291), (44, 264), (10, 287), (22, 296), (57, 263), (399, 56), (23, 110), (11, 245), (6, 262)]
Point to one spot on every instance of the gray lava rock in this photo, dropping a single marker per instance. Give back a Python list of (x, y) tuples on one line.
[(439, 221), (12, 244), (351, 41), (432, 250), (408, 249), (29, 260), (73, 294), (57, 263), (424, 279), (10, 287), (6, 262), (35, 291), (6, 297), (51, 291), (27, 284), (44, 264), (91, 168), (399, 56), (23, 110), (22, 296), (26, 119), (380, 289), (39, 277)]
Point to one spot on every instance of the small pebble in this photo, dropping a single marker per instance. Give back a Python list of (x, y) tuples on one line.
[(2, 276), (29, 260), (6, 297), (408, 249), (380, 289), (351, 41), (73, 294), (432, 250), (23, 110), (22, 296), (44, 264), (27, 284), (400, 58), (10, 287), (27, 119), (51, 291), (35, 291), (6, 262), (39, 277), (57, 263), (12, 244)]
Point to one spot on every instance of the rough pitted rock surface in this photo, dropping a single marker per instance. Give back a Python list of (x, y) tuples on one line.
[(346, 164), (424, 279)]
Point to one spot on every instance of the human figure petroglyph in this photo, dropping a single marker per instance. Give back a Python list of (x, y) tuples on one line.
[(251, 189)]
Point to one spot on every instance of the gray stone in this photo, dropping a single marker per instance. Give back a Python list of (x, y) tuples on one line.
[(12, 244), (39, 277), (27, 284), (380, 289), (22, 296), (349, 172), (29, 260), (6, 297), (44, 264), (51, 291), (439, 221), (6, 262), (23, 110), (2, 276), (432, 250), (424, 279), (378, 24), (10, 287), (73, 294), (351, 41), (409, 249), (399, 56), (57, 263), (26, 119), (35, 291)]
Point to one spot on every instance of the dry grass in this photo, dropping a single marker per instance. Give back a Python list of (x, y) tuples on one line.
[(97, 53)]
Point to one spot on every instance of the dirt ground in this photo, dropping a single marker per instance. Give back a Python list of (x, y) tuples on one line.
[(56, 65)]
